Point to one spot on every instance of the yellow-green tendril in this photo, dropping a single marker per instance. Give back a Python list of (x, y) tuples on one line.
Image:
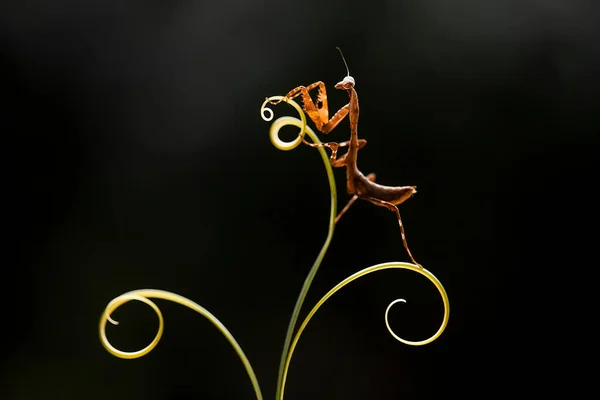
[(359, 274), (144, 296), (273, 134), (289, 345)]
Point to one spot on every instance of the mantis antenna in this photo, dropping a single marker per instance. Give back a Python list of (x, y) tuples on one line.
[(343, 59)]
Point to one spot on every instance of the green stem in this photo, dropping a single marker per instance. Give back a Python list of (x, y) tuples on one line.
[(284, 363), (273, 134)]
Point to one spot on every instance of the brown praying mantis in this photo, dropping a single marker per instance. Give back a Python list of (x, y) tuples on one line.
[(358, 185)]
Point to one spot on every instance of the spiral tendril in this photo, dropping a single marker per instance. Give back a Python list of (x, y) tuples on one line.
[(106, 316), (283, 121), (290, 344), (360, 274), (144, 296)]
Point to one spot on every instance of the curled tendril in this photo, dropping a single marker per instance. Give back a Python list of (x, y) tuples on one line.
[(283, 121), (144, 296), (360, 274), (106, 316), (289, 344)]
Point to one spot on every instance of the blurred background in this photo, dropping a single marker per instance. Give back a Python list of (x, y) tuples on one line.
[(135, 157)]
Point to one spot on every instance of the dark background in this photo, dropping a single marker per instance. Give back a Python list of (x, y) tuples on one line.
[(136, 158)]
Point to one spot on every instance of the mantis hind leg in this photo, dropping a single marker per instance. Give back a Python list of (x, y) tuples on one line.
[(370, 177), (393, 208)]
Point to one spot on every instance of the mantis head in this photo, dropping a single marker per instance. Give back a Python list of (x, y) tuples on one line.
[(346, 83)]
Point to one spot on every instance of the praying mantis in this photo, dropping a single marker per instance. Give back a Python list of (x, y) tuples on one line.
[(358, 185)]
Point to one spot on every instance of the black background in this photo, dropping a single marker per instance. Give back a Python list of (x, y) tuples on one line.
[(136, 157)]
